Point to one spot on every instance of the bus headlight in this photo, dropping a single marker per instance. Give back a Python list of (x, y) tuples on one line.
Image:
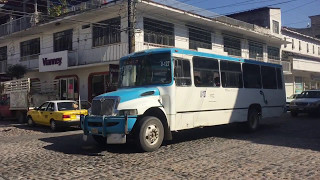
[(128, 112)]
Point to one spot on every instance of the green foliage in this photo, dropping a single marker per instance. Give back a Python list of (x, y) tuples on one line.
[(58, 10), (17, 71)]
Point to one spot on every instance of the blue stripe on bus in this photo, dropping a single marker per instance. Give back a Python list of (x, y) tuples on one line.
[(196, 53)]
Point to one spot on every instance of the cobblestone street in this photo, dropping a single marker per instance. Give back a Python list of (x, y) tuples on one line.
[(283, 148)]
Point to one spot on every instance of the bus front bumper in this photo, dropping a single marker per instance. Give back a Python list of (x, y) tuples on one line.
[(113, 128)]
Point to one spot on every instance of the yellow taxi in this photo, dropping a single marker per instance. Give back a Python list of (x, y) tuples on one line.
[(56, 114)]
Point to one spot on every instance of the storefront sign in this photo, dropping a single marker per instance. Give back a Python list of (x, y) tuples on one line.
[(53, 61)]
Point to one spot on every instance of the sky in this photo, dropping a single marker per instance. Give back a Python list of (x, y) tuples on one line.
[(294, 13)]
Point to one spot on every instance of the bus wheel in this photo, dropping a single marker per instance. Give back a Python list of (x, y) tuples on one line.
[(100, 140), (150, 133), (253, 120)]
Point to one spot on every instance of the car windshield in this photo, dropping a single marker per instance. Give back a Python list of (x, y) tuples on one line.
[(67, 106), (293, 96), (309, 94), (145, 70)]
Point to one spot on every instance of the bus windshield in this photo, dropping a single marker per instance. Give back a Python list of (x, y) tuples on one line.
[(144, 70)]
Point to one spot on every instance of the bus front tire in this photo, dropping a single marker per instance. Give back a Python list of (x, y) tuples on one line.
[(253, 121), (150, 134)]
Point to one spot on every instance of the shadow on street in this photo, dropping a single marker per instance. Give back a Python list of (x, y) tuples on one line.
[(301, 132)]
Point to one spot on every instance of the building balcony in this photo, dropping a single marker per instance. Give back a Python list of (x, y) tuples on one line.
[(15, 26), (101, 54), (26, 22)]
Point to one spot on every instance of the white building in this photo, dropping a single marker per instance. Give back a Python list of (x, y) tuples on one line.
[(304, 54), (82, 49)]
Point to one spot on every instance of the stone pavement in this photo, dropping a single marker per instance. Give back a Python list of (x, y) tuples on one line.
[(284, 148)]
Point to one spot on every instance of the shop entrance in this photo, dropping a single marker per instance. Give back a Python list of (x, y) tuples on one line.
[(68, 88)]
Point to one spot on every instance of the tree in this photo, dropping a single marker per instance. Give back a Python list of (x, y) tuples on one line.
[(17, 71), (58, 9)]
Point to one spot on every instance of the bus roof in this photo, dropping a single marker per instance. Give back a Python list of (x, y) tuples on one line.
[(201, 54)]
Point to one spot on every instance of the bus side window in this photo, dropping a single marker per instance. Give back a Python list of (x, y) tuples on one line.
[(182, 72), (251, 76), (206, 72), (269, 77), (279, 78), (231, 75)]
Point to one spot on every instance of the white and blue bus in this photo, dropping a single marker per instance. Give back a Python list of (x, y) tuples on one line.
[(169, 89)]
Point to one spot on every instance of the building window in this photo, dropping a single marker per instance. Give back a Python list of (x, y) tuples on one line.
[(273, 53), (285, 44), (231, 75), (63, 40), (30, 47), (158, 32), (206, 72), (199, 38), (232, 45), (275, 26), (307, 47), (292, 44), (251, 76), (255, 50), (300, 48), (3, 53), (313, 49), (106, 32), (182, 72)]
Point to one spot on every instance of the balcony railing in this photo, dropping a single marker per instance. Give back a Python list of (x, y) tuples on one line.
[(111, 52), (26, 22), (286, 65), (15, 26)]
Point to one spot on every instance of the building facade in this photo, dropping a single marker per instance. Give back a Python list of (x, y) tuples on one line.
[(304, 54), (81, 50)]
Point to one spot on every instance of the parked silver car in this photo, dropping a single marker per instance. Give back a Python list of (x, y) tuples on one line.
[(289, 99), (306, 102)]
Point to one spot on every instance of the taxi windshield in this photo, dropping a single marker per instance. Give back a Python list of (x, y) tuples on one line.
[(145, 70)]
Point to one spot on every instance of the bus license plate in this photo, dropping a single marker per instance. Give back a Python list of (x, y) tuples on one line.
[(94, 131)]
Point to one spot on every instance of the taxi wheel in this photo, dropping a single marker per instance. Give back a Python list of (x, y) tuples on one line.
[(53, 125), (30, 122), (150, 133), (102, 141)]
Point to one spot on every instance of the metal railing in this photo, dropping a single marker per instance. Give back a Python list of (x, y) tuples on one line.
[(15, 26), (26, 22)]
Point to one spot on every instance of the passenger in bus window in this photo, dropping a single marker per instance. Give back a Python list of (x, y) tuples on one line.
[(197, 81), (217, 81)]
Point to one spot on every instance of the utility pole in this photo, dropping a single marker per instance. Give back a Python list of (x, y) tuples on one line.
[(131, 25)]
